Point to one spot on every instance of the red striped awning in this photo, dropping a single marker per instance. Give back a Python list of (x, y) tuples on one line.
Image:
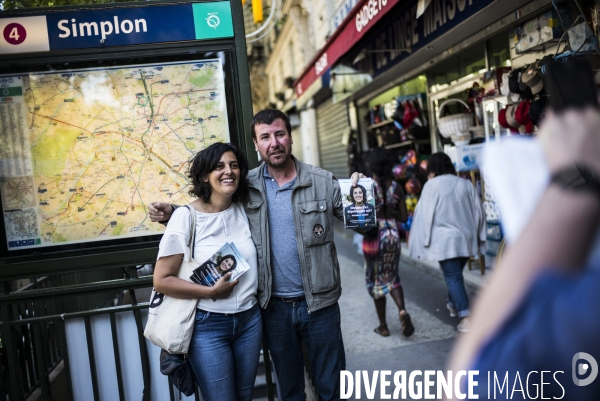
[(359, 21)]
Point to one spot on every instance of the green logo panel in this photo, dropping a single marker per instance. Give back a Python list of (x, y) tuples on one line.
[(213, 20), (12, 91)]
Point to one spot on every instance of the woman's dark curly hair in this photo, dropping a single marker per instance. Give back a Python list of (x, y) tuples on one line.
[(439, 164), (364, 191), (206, 161)]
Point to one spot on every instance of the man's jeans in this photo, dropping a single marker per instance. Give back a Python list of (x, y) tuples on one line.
[(457, 294), (224, 353), (286, 324)]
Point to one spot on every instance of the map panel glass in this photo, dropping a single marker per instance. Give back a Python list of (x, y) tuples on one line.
[(86, 151)]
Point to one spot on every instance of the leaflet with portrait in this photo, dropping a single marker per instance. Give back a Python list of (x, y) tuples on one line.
[(226, 260), (359, 203)]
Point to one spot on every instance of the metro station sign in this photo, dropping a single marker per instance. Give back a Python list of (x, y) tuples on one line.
[(65, 30)]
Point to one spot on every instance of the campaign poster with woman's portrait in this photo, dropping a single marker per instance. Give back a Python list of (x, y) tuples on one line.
[(226, 260), (359, 203)]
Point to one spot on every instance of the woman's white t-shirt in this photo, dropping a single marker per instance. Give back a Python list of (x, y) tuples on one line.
[(213, 230)]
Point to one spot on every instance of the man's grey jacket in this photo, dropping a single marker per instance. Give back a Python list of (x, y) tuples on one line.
[(316, 199)]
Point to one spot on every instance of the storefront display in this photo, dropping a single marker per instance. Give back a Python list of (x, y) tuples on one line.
[(478, 86), (400, 122), (540, 31)]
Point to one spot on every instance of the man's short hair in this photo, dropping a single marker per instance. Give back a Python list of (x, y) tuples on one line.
[(268, 116)]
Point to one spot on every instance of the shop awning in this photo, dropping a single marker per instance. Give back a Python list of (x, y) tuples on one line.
[(361, 19)]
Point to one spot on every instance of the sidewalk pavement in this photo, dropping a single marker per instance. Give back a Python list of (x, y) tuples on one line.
[(425, 298)]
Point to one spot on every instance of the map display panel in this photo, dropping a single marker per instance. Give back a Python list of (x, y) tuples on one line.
[(85, 151)]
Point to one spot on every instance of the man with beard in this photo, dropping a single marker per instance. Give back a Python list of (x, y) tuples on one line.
[(299, 286)]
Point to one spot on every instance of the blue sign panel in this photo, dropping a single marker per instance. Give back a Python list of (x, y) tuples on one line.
[(405, 31), (124, 26)]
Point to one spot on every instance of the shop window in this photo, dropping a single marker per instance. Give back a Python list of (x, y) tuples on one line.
[(410, 87), (499, 51), (470, 61), (398, 119)]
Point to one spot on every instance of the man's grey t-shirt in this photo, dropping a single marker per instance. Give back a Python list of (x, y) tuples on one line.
[(285, 262)]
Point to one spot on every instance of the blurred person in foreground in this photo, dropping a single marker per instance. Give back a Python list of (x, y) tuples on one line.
[(381, 245), (448, 227), (541, 308)]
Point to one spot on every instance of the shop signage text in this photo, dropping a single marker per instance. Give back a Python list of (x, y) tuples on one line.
[(404, 32), (408, 32), (321, 64), (441, 12), (364, 16), (368, 12), (342, 12)]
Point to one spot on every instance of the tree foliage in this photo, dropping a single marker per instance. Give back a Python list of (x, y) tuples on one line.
[(21, 4)]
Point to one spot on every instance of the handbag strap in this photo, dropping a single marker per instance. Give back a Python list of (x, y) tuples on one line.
[(192, 243)]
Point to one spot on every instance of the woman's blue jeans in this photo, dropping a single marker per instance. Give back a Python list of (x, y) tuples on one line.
[(224, 353), (457, 294)]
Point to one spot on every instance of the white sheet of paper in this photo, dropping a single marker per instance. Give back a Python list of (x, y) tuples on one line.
[(516, 170)]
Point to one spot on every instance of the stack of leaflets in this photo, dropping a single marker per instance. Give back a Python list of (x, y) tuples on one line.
[(359, 203), (226, 260)]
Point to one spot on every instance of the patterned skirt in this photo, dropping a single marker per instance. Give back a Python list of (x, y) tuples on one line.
[(382, 255)]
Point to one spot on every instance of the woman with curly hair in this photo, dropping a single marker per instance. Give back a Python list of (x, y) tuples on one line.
[(381, 245), (225, 346)]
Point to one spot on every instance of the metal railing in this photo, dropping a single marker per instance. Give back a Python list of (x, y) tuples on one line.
[(36, 339), (34, 335)]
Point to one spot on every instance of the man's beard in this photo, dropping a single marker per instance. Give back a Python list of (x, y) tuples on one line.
[(282, 159)]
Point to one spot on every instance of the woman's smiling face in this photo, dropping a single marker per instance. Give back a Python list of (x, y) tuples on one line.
[(358, 196), (225, 178), (226, 264)]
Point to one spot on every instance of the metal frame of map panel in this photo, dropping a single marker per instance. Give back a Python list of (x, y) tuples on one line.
[(142, 250)]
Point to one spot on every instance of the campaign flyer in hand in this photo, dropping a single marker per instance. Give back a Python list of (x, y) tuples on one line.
[(226, 260), (359, 203)]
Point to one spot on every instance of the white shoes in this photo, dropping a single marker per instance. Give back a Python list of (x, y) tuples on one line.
[(464, 326)]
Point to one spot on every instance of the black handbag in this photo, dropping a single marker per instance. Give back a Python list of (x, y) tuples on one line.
[(177, 367)]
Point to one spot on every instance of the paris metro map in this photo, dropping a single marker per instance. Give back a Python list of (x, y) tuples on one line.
[(85, 151)]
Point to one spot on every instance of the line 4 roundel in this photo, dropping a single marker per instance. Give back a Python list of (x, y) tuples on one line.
[(14, 33)]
